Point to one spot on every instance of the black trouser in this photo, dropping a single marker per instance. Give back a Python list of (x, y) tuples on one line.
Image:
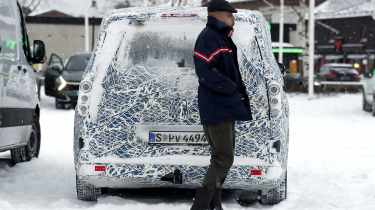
[(221, 139)]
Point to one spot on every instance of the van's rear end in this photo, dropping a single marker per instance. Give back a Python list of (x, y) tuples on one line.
[(137, 122)]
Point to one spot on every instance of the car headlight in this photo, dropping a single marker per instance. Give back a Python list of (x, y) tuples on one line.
[(61, 83)]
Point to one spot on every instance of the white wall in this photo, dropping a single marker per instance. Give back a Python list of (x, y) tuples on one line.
[(63, 40)]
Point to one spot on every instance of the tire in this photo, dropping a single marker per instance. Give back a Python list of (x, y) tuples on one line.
[(31, 150), (276, 195), (365, 105), (86, 192), (33, 145), (58, 105), (247, 198)]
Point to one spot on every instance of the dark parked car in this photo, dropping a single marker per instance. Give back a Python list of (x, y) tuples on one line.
[(19, 104), (338, 72), (62, 82)]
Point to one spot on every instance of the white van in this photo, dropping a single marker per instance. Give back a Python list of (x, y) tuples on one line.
[(137, 123), (19, 104)]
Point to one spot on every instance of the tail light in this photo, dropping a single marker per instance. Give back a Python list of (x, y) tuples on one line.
[(332, 74), (99, 168), (255, 172)]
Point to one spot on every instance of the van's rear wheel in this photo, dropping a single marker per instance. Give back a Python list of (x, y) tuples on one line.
[(18, 155), (33, 145), (31, 150), (276, 195), (86, 192)]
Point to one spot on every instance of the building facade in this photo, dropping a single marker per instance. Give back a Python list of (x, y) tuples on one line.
[(63, 34)]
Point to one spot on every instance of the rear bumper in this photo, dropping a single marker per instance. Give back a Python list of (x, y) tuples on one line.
[(148, 175)]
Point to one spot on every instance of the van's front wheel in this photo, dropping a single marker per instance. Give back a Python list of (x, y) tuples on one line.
[(86, 192), (276, 195)]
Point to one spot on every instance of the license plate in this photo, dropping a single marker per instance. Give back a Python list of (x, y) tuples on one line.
[(177, 137)]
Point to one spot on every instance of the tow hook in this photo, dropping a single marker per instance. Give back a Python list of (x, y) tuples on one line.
[(174, 177)]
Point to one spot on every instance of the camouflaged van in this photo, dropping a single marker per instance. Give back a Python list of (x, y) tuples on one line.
[(137, 123)]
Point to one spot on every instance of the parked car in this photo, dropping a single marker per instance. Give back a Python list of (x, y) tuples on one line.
[(137, 123), (62, 82), (19, 104), (368, 93), (338, 72)]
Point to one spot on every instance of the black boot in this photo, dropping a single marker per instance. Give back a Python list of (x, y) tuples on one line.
[(216, 201), (202, 200)]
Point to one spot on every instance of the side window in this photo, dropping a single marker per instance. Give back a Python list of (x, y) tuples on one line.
[(8, 31), (25, 38)]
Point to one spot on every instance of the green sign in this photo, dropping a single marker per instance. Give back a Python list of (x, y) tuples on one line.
[(289, 50), (10, 44)]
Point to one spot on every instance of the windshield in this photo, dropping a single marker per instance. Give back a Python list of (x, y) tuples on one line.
[(77, 62), (8, 42)]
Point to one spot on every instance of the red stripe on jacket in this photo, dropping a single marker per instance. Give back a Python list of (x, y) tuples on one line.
[(210, 57)]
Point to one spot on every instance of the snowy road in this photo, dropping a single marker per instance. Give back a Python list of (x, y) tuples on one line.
[(331, 164)]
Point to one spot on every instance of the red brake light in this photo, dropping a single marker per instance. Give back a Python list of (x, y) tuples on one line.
[(332, 74), (255, 172), (99, 168)]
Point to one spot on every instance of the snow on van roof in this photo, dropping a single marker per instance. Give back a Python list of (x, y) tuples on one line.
[(156, 12)]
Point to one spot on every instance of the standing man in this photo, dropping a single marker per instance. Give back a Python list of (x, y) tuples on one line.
[(222, 98)]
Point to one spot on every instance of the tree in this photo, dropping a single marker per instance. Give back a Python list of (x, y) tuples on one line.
[(28, 6)]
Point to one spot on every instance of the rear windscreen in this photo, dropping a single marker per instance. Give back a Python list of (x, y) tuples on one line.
[(168, 43), (152, 64)]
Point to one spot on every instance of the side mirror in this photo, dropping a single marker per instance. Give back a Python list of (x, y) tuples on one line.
[(368, 75), (39, 51)]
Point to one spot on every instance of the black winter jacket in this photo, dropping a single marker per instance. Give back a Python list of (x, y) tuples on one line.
[(222, 94)]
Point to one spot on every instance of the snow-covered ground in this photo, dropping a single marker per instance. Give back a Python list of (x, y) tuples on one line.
[(331, 164)]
